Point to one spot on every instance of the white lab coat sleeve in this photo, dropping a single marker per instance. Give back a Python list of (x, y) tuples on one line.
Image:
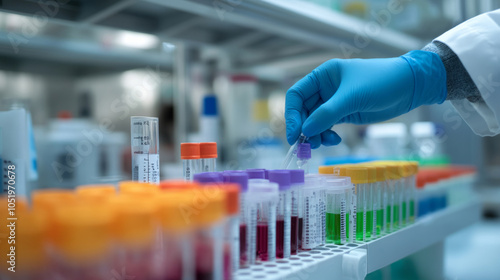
[(476, 42)]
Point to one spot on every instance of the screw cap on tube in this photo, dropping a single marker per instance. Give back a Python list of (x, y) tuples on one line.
[(381, 172), (256, 173), (190, 150), (232, 192), (240, 178), (208, 177), (95, 191), (297, 176), (208, 150), (178, 185), (325, 169), (359, 175), (372, 173), (281, 177), (266, 174), (304, 151)]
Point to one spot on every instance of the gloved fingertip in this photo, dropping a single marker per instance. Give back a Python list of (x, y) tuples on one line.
[(330, 138), (292, 132), (315, 141)]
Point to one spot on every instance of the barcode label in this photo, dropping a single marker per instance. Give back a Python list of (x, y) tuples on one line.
[(147, 168), (251, 242), (342, 221), (352, 221)]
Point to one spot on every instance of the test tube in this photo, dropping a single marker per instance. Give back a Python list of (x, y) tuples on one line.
[(292, 152), (311, 213), (405, 182), (176, 258), (145, 149), (371, 218), (379, 200), (338, 193), (359, 177), (134, 248), (413, 190), (77, 256), (232, 229), (297, 182), (190, 156), (393, 176), (303, 156), (283, 212), (208, 156), (31, 255), (263, 198), (209, 236), (241, 252)]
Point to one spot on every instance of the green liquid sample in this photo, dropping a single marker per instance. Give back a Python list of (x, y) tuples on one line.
[(388, 218), (412, 210), (396, 215), (404, 212), (359, 226), (380, 220), (369, 223), (333, 229)]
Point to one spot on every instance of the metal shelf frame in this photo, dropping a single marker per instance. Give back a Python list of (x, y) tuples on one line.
[(335, 261), (265, 30)]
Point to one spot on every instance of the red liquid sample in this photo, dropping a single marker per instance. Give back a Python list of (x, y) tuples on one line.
[(227, 262), (262, 240), (280, 238), (243, 244), (204, 259), (294, 243), (301, 224)]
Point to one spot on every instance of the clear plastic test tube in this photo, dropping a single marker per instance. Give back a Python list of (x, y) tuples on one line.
[(241, 255), (359, 177), (303, 156), (379, 198), (338, 193), (371, 217), (413, 190), (190, 156), (145, 149), (297, 182), (208, 156), (393, 176), (283, 212), (262, 199), (311, 213)]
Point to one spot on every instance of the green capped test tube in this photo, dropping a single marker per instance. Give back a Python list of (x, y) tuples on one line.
[(338, 194), (359, 177)]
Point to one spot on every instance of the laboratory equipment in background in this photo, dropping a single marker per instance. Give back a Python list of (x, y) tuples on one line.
[(387, 140), (237, 93), (191, 163), (208, 156), (145, 149), (17, 149), (209, 120), (427, 139), (70, 153)]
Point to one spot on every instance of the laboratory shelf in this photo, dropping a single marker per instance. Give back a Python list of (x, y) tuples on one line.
[(353, 261), (262, 30)]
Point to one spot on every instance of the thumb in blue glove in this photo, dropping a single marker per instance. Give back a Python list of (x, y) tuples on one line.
[(361, 91)]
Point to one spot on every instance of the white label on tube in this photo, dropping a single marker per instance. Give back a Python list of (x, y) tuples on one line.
[(288, 225), (251, 241), (147, 168), (352, 221), (235, 242), (342, 221), (271, 240)]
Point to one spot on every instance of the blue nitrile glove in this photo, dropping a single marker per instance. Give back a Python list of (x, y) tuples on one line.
[(361, 91)]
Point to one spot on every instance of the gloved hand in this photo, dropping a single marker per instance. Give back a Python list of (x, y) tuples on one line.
[(361, 91)]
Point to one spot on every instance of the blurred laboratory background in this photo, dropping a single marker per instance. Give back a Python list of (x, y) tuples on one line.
[(73, 72)]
